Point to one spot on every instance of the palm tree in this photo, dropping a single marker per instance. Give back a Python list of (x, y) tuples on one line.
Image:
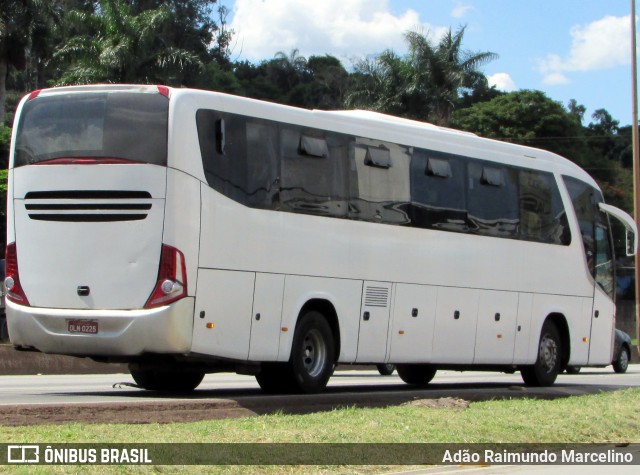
[(118, 46), (423, 85), (289, 69), (380, 84), (444, 69)]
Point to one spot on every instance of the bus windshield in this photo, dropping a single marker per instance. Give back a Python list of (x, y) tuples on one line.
[(122, 125)]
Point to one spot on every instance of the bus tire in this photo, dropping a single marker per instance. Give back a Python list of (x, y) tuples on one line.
[(416, 374), (274, 378), (4, 330), (170, 381), (312, 354), (386, 369), (547, 366)]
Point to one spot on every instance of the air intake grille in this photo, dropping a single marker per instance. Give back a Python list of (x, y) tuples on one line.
[(88, 205), (376, 297)]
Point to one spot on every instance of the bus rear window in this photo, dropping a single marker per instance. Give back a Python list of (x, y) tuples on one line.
[(122, 125)]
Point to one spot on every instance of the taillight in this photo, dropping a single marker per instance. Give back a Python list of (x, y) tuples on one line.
[(12, 285), (172, 279)]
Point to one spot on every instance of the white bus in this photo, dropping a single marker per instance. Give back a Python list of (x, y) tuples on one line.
[(186, 232)]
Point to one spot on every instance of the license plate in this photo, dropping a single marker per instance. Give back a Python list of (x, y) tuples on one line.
[(83, 326)]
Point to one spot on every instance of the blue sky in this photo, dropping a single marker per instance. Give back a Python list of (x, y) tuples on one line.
[(570, 49)]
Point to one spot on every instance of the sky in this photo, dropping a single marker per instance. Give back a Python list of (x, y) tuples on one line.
[(570, 49)]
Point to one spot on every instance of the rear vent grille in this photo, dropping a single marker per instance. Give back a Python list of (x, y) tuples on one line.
[(89, 206), (376, 297)]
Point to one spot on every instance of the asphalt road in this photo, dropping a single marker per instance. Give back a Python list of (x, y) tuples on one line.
[(365, 385)]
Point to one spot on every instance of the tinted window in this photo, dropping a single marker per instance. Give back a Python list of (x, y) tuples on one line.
[(492, 199), (381, 193), (542, 214), (584, 199), (315, 171), (438, 192), (596, 235), (239, 157), (130, 126)]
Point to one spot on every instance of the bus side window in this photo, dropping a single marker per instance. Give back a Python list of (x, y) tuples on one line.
[(492, 199), (314, 166), (542, 214), (382, 191), (215, 165), (438, 192), (263, 174)]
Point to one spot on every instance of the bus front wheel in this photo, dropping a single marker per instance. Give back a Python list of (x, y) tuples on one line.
[(416, 374), (313, 353), (161, 380), (547, 366)]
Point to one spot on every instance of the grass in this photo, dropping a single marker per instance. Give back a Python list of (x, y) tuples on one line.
[(606, 417)]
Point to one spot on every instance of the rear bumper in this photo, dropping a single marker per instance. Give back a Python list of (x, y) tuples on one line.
[(120, 332)]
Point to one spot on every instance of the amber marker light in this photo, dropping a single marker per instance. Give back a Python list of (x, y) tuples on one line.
[(210, 326)]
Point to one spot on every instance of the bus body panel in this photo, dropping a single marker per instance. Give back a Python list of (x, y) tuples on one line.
[(375, 315), (414, 315), (454, 334), (165, 330), (521, 351), (496, 328), (222, 325), (266, 317), (108, 215)]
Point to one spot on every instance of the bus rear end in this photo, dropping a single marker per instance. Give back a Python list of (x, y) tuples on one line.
[(87, 270)]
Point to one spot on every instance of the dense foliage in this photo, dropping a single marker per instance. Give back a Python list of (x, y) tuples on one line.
[(187, 43)]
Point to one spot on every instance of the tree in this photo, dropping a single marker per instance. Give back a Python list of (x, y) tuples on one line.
[(531, 118), (527, 117), (381, 85), (443, 70), (23, 26), (117, 46), (288, 70), (426, 84)]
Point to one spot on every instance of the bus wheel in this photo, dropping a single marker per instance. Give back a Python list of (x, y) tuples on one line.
[(547, 366), (275, 378), (159, 380), (416, 374), (386, 369), (312, 354)]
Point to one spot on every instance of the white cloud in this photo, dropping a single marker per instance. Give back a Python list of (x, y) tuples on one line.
[(602, 44), (343, 28), (502, 82), (555, 79), (461, 10)]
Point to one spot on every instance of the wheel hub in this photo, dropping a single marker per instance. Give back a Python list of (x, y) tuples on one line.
[(314, 354), (548, 353)]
